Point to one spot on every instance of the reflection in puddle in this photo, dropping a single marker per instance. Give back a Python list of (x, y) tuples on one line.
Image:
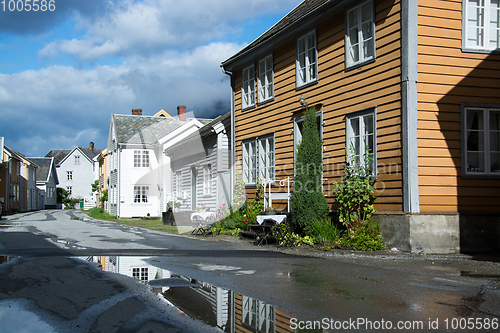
[(228, 310)]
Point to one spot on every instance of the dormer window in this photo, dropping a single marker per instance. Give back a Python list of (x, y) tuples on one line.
[(77, 160)]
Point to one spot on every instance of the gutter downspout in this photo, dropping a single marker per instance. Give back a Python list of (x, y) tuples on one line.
[(118, 180), (232, 179), (409, 63)]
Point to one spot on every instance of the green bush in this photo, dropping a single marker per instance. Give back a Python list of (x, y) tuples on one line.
[(365, 236), (99, 213), (325, 231), (308, 201)]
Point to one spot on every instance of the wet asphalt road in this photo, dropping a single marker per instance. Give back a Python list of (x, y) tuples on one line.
[(424, 293)]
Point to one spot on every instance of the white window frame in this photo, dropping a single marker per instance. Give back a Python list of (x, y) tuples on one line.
[(486, 135), (249, 163), (363, 125), (249, 315), (480, 26), (140, 273), (265, 80), (69, 175), (248, 87), (69, 189), (306, 69), (141, 194), (77, 160), (366, 52), (267, 318), (207, 179), (267, 162), (141, 159)]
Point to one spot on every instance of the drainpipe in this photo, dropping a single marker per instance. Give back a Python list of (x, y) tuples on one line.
[(232, 179)]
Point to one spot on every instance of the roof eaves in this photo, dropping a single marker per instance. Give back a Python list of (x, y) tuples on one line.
[(263, 40)]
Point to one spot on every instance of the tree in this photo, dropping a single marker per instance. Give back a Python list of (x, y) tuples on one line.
[(104, 197), (308, 202), (62, 195), (95, 186)]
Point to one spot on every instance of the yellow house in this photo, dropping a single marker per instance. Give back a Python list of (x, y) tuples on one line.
[(414, 84)]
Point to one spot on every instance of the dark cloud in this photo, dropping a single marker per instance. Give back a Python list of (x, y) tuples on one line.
[(36, 22)]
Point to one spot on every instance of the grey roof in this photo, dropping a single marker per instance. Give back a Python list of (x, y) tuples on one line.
[(44, 163), (60, 154), (146, 129), (205, 130), (299, 13)]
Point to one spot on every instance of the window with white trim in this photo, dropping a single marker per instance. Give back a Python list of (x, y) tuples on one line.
[(141, 194), (69, 189), (266, 318), (141, 158), (249, 318), (69, 175), (140, 273), (77, 160), (361, 140), (265, 82), (266, 159), (207, 179), (481, 140), (250, 161), (307, 60), (360, 34), (481, 25), (248, 87)]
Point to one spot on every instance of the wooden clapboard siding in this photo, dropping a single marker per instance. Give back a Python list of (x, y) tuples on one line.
[(282, 320), (340, 91), (447, 77)]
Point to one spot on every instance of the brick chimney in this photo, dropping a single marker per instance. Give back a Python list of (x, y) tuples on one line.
[(181, 112), (137, 112), (91, 146)]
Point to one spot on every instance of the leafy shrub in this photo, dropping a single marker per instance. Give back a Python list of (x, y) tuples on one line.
[(325, 231), (365, 236), (99, 213), (308, 201)]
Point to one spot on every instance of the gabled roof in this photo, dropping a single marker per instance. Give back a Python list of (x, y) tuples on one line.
[(61, 154), (45, 165), (204, 131), (304, 10), (145, 129), (162, 113)]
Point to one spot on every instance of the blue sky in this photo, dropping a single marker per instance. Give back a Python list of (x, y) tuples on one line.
[(63, 73)]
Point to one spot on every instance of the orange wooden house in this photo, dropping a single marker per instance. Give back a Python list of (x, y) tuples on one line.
[(416, 83)]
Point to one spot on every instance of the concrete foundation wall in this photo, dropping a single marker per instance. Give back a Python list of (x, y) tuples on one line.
[(441, 233)]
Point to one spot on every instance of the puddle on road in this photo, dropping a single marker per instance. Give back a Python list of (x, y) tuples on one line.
[(216, 306)]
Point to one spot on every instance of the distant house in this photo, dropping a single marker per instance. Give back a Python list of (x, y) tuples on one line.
[(46, 182), (139, 172), (201, 166), (411, 85), (75, 170), (101, 174)]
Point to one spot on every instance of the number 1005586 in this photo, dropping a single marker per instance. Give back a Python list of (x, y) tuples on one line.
[(28, 5)]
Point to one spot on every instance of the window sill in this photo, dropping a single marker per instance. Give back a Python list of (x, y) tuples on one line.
[(248, 107), (359, 64), (481, 176), (265, 101), (305, 85), (482, 51)]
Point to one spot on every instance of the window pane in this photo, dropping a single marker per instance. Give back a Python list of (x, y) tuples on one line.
[(368, 120), (353, 18), (495, 162), (475, 162), (475, 23), (494, 120), (495, 24), (494, 141), (355, 126)]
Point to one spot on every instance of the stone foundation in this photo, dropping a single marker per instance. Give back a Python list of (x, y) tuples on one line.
[(441, 233)]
